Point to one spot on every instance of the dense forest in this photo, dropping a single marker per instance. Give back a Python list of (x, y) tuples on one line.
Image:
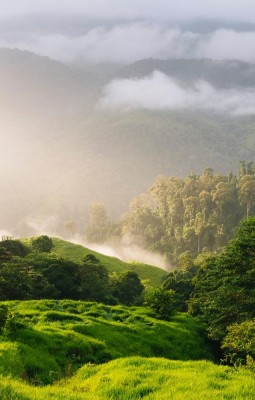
[(175, 216)]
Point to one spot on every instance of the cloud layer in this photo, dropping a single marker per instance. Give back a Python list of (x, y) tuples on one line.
[(126, 43), (160, 92)]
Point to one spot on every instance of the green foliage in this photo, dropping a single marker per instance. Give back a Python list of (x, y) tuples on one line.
[(126, 287), (4, 311), (94, 279), (239, 343), (20, 281), (42, 244), (224, 294), (13, 247), (180, 281), (161, 301), (41, 275), (197, 213)]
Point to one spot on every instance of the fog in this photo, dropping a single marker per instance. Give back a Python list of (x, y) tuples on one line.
[(142, 40), (127, 249), (160, 92), (67, 139)]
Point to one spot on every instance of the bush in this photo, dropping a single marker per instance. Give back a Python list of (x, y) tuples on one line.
[(4, 311), (161, 301), (42, 244), (239, 343)]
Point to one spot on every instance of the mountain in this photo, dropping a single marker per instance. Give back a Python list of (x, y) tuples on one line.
[(60, 152)]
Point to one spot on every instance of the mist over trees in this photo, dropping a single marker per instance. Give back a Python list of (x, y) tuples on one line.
[(194, 214)]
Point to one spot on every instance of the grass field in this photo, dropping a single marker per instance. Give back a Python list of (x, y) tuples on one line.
[(51, 339), (74, 350), (137, 378)]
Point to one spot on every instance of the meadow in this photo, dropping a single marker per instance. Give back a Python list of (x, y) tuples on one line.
[(62, 349)]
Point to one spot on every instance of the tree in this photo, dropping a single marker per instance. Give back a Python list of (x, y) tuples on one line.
[(239, 343), (42, 244), (126, 287), (247, 193), (97, 229), (19, 281), (161, 301), (94, 279), (13, 248), (224, 291)]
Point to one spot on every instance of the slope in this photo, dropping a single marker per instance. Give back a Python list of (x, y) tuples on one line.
[(76, 253)]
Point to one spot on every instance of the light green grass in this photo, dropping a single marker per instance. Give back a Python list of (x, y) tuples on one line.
[(76, 253), (55, 338), (139, 378)]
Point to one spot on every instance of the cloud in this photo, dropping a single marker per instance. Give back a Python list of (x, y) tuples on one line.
[(129, 42), (127, 249), (227, 44), (160, 92)]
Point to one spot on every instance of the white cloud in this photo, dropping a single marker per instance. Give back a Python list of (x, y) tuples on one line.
[(126, 43), (226, 44), (160, 92)]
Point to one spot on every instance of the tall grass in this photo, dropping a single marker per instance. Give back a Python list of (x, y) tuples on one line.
[(138, 378), (52, 339)]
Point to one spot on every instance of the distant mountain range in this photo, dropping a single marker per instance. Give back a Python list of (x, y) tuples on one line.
[(59, 152)]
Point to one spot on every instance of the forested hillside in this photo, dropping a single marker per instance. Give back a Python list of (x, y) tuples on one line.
[(74, 152), (180, 218)]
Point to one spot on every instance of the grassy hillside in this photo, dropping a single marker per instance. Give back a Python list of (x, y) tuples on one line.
[(72, 350), (138, 378), (49, 339), (76, 253)]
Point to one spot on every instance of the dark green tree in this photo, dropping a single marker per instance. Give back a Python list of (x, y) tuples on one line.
[(42, 244), (13, 248), (224, 291), (161, 301), (93, 279), (126, 287)]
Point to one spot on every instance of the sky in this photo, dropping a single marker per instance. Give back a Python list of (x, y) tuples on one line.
[(133, 9), (94, 31)]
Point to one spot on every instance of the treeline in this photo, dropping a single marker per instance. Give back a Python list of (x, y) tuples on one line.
[(195, 214), (219, 288), (33, 272)]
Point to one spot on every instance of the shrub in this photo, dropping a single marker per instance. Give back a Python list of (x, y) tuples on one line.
[(161, 301), (42, 244)]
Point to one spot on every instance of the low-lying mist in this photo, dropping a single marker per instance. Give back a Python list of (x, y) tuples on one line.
[(127, 250), (102, 44), (161, 92)]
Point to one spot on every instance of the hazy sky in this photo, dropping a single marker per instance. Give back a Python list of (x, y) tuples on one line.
[(133, 9), (95, 30)]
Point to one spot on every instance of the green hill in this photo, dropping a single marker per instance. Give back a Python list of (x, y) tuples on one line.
[(138, 378), (73, 350), (76, 253), (47, 339)]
